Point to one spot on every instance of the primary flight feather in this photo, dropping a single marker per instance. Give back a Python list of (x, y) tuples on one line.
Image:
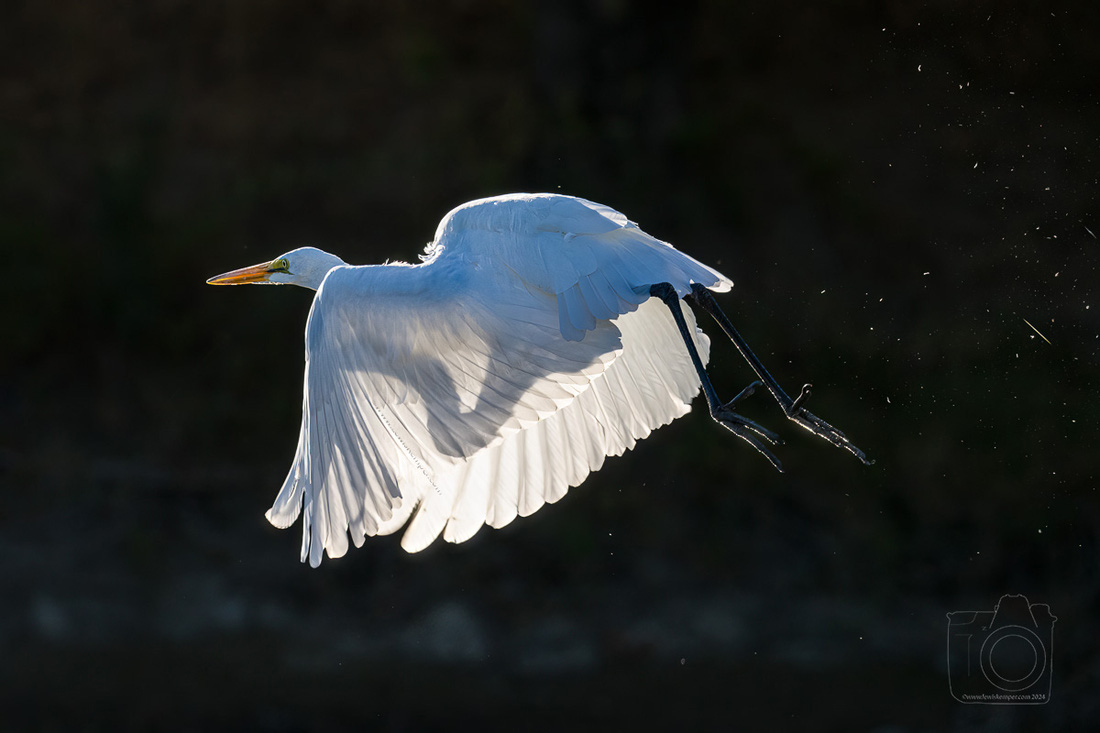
[(484, 382)]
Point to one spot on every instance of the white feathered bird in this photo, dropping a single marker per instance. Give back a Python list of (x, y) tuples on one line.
[(485, 382)]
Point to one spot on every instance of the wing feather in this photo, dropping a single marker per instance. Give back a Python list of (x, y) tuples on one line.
[(649, 385)]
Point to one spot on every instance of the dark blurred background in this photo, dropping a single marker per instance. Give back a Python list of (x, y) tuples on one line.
[(898, 190)]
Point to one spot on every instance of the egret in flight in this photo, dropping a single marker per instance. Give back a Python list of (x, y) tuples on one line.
[(540, 334)]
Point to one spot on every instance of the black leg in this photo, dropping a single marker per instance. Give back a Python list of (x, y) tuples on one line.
[(793, 409), (723, 414)]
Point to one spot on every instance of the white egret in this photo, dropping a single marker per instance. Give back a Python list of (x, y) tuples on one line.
[(502, 370)]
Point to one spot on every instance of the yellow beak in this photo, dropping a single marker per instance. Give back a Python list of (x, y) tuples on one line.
[(245, 275)]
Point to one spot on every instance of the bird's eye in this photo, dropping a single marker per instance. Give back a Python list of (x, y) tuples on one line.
[(281, 264)]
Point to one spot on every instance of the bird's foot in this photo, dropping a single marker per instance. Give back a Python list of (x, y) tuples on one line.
[(803, 417), (747, 430)]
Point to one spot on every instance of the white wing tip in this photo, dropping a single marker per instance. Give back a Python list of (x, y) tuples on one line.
[(413, 544), (280, 520)]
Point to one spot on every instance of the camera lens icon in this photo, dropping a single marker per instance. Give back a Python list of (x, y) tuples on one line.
[(1003, 656), (1013, 658)]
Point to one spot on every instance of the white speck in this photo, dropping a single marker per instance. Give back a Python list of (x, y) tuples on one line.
[(918, 67)]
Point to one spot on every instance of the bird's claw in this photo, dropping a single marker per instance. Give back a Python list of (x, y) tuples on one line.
[(801, 416), (756, 435), (822, 429), (747, 430)]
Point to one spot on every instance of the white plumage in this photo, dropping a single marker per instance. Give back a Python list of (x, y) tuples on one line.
[(483, 383)]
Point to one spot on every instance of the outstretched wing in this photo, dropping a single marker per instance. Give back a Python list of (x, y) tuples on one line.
[(410, 371), (596, 262)]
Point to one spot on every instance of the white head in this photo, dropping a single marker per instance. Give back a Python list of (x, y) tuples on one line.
[(305, 267)]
